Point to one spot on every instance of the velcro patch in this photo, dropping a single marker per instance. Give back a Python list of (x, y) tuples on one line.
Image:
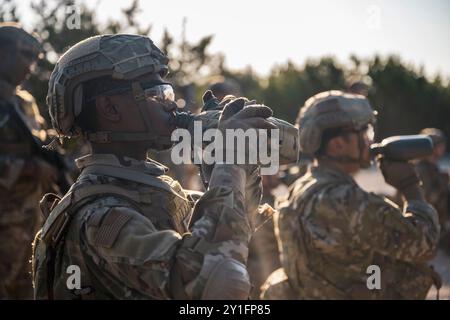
[(110, 228), (95, 219)]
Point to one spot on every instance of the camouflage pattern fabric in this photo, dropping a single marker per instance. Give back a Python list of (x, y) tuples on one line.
[(437, 193), (330, 231), (277, 287), (19, 196), (134, 249)]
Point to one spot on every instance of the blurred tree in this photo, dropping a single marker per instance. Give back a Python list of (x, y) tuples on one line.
[(8, 10), (406, 100), (189, 64), (189, 61), (289, 86)]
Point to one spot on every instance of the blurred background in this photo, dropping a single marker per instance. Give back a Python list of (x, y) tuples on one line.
[(277, 52)]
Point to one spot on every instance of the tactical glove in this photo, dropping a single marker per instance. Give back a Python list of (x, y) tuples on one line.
[(402, 176)]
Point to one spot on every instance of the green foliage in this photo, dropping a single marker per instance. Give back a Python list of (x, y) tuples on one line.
[(406, 100), (50, 24), (290, 86)]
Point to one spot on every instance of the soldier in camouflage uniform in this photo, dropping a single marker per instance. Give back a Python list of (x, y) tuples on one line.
[(124, 225), (224, 87), (330, 230), (24, 177), (436, 183)]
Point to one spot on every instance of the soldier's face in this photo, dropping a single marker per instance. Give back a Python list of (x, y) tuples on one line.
[(16, 64), (350, 146), (354, 145), (439, 150), (367, 137), (358, 148), (123, 113)]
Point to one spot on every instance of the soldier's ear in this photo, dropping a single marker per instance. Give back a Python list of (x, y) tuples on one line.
[(336, 146), (107, 109)]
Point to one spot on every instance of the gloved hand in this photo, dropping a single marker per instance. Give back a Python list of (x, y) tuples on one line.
[(402, 176), (210, 101), (238, 115), (211, 104)]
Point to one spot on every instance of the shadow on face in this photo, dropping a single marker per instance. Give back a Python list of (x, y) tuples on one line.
[(15, 64), (122, 113), (439, 150), (351, 145)]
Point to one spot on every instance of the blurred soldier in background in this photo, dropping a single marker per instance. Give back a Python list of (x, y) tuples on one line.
[(124, 223), (330, 230), (223, 87), (436, 183), (360, 86), (24, 174)]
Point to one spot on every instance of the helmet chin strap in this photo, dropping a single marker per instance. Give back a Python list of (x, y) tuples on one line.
[(158, 142), (362, 163)]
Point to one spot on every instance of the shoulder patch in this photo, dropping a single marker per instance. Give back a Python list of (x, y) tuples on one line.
[(110, 227)]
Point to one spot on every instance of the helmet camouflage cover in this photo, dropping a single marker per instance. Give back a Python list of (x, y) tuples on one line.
[(436, 135), (25, 42), (328, 110), (122, 56)]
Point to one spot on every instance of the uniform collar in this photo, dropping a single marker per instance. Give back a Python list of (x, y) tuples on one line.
[(329, 172), (148, 166)]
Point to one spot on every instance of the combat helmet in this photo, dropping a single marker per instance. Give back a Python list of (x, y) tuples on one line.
[(120, 57), (436, 135), (25, 42), (329, 110)]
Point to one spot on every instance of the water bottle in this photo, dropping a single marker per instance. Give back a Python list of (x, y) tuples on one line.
[(404, 148)]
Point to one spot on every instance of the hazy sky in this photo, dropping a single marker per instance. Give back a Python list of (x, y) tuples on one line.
[(263, 33)]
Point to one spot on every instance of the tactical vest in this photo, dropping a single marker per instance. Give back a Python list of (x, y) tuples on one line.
[(50, 241)]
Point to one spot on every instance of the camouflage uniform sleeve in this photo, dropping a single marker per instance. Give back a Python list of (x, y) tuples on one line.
[(376, 223), (150, 261), (222, 233)]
